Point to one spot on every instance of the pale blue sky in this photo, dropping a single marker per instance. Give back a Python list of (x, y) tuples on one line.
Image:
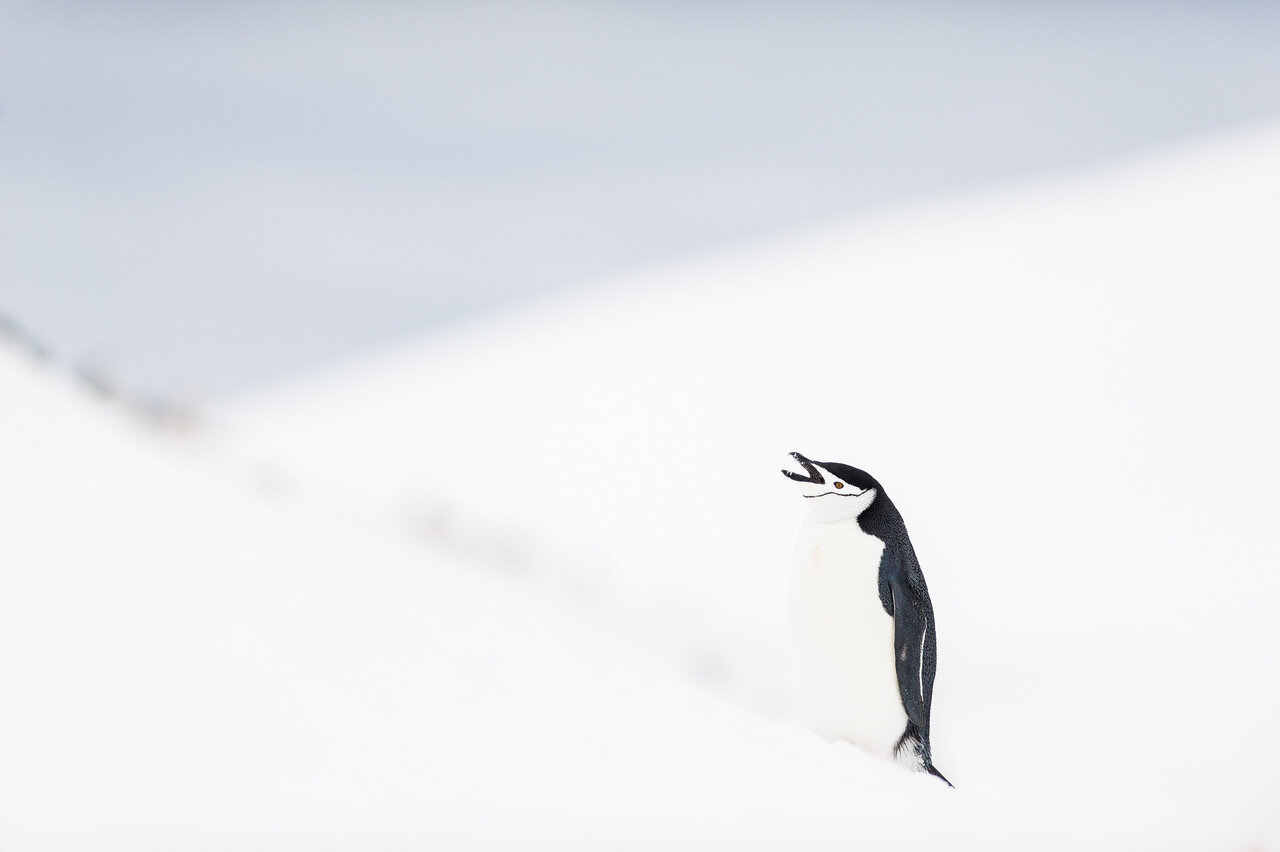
[(206, 197)]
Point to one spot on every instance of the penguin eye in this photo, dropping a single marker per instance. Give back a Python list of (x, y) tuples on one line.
[(839, 485)]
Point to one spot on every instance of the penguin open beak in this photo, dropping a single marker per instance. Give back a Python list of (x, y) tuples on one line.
[(814, 475)]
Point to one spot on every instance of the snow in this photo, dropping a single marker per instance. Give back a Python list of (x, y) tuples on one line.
[(189, 663), (523, 587), (1068, 388)]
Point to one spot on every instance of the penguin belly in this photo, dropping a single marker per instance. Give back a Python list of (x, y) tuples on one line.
[(842, 638)]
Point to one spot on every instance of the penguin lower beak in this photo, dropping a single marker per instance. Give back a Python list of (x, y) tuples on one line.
[(814, 475)]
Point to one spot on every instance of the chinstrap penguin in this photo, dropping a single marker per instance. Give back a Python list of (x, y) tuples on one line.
[(861, 624)]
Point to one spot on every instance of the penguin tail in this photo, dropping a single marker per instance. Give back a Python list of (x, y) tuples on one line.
[(933, 770), (913, 745)]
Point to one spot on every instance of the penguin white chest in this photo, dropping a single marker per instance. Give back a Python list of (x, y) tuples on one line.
[(842, 638)]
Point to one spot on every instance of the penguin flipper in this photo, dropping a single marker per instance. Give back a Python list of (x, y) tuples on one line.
[(915, 650), (915, 653)]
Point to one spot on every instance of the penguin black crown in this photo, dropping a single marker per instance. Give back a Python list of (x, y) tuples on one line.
[(861, 623)]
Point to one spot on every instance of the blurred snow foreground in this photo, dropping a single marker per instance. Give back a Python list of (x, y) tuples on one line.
[(522, 587)]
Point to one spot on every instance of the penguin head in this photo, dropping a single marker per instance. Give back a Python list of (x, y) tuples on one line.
[(833, 491)]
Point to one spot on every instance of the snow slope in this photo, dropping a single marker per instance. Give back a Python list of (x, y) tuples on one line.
[(1068, 387), (189, 664)]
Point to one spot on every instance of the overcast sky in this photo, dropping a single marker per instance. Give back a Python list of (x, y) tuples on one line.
[(206, 197)]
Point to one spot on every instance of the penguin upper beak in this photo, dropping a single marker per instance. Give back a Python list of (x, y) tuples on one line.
[(814, 475)]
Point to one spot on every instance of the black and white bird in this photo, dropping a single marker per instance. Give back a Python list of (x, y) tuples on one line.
[(861, 623)]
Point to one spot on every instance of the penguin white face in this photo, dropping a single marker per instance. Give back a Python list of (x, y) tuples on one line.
[(833, 492)]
